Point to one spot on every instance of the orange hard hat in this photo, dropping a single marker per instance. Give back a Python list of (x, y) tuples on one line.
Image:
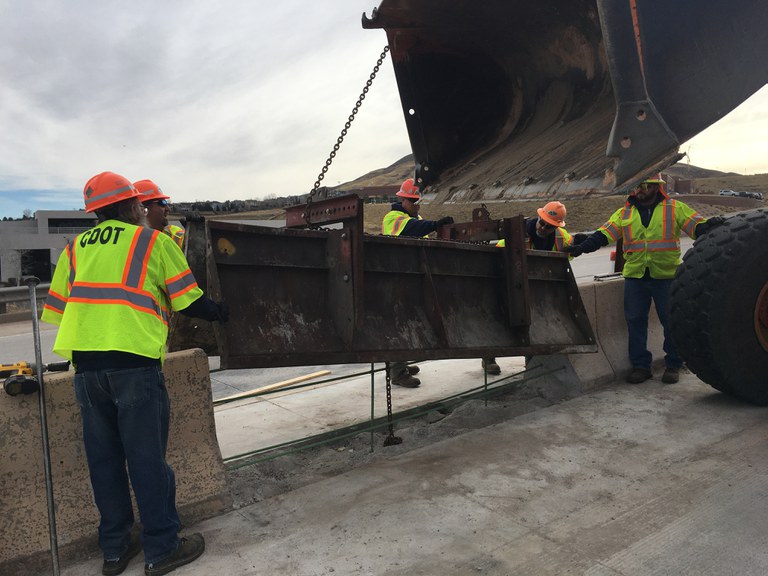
[(409, 190), (553, 213), (105, 189), (149, 191)]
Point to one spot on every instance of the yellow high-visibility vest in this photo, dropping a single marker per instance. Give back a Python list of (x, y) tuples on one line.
[(394, 222), (656, 247), (562, 239), (113, 289), (176, 233)]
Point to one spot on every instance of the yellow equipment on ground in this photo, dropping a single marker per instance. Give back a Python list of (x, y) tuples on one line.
[(21, 377)]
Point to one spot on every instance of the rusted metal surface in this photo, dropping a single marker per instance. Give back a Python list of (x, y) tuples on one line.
[(302, 297), (330, 211), (524, 98)]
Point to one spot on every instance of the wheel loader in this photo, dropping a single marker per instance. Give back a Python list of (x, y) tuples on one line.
[(518, 99), (512, 99)]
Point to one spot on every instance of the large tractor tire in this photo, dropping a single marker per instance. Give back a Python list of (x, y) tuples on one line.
[(719, 307)]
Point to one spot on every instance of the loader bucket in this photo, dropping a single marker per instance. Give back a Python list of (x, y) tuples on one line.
[(524, 98)]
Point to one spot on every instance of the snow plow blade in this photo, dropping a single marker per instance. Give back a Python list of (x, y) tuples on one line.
[(522, 98)]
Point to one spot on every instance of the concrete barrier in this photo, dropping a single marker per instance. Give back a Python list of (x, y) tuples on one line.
[(604, 302), (193, 452)]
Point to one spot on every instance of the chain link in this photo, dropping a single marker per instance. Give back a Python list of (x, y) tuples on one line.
[(344, 130), (390, 440)]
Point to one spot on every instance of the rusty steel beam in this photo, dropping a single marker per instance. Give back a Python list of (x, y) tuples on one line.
[(330, 211)]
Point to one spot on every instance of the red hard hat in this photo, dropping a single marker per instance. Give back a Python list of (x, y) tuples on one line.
[(149, 191), (553, 213), (105, 189), (409, 190)]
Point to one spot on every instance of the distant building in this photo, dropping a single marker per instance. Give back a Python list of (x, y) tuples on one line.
[(32, 247)]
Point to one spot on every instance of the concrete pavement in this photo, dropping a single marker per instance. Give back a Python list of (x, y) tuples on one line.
[(629, 480)]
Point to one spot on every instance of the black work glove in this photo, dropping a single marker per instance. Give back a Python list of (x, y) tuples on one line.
[(222, 312), (709, 224), (573, 250), (207, 309), (579, 237), (445, 220)]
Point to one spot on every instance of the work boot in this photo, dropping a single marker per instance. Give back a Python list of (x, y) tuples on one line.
[(671, 375), (413, 370), (490, 366), (189, 549), (406, 380), (118, 566), (638, 376)]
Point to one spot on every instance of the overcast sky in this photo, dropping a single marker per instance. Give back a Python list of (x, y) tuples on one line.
[(229, 100)]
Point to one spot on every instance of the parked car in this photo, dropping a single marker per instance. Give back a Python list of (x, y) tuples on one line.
[(745, 194), (727, 193)]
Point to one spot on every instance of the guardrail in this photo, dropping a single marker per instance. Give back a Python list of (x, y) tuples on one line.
[(69, 229), (21, 293)]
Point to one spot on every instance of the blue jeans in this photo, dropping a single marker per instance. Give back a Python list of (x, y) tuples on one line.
[(125, 420), (638, 293)]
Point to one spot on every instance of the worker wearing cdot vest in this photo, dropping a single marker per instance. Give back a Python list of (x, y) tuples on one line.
[(100, 296), (111, 294)]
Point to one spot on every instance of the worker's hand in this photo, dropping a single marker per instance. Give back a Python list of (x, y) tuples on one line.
[(445, 220), (579, 237), (222, 312), (573, 250), (709, 224)]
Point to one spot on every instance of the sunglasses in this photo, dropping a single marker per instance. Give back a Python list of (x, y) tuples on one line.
[(647, 186), (162, 203), (546, 225)]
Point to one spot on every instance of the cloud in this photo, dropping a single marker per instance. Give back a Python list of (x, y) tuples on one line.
[(239, 99), (214, 100), (736, 143)]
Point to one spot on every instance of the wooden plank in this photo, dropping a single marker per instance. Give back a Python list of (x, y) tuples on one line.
[(275, 386)]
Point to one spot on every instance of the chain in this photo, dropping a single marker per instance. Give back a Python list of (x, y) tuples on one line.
[(390, 440), (344, 130)]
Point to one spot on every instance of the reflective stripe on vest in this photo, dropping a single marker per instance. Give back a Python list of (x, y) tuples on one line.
[(129, 292), (669, 239), (136, 267), (110, 294), (180, 284), (55, 302), (655, 247), (71, 253), (394, 222)]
